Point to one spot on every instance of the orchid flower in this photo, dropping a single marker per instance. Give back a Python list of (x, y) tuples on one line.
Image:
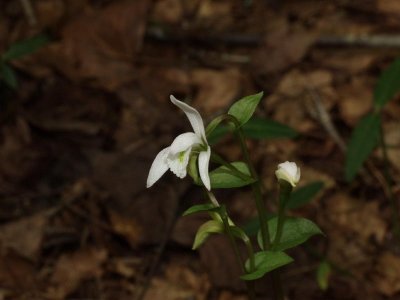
[(288, 171), (176, 156)]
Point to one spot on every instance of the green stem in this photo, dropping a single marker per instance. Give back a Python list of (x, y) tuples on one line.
[(388, 179), (257, 190), (218, 159), (285, 189), (239, 258), (224, 218)]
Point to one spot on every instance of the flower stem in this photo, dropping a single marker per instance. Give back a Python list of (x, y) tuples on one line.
[(285, 189), (239, 258), (224, 218), (218, 159), (257, 191)]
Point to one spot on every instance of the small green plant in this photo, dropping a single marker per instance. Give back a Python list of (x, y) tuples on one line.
[(191, 153), (17, 51), (369, 133)]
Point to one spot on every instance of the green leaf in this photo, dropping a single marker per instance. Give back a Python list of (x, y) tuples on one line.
[(25, 47), (323, 273), (304, 194), (295, 232), (214, 124), (266, 261), (262, 128), (8, 75), (363, 140), (223, 178), (244, 108), (388, 85), (239, 233), (255, 128), (252, 226), (200, 208), (205, 230)]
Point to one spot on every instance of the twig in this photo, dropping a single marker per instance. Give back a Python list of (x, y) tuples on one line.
[(365, 40), (324, 118), (321, 114), (160, 34), (29, 12)]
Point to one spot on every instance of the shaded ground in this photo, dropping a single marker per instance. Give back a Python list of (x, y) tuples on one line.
[(91, 111)]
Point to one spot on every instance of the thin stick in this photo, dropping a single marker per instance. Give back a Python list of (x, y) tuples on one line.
[(324, 118), (29, 12)]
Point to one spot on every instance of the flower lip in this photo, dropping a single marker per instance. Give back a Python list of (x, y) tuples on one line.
[(288, 171)]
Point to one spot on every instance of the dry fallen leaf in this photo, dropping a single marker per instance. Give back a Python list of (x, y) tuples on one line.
[(99, 45), (392, 139), (126, 227), (179, 282), (167, 11), (388, 6), (282, 49), (387, 276), (295, 82), (216, 89), (355, 100), (24, 235), (18, 275), (350, 214), (71, 269)]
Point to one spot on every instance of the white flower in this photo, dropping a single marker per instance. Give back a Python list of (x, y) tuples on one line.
[(176, 156), (289, 172)]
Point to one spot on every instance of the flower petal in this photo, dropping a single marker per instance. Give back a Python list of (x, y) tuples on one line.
[(289, 172), (158, 167), (184, 141), (204, 161), (193, 115), (178, 163)]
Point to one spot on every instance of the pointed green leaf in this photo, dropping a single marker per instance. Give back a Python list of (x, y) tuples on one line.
[(239, 233), (295, 232), (244, 108), (266, 261), (25, 47), (363, 140), (255, 128), (323, 274), (263, 128), (388, 85), (304, 194), (200, 208), (222, 177), (205, 230), (214, 124), (8, 75)]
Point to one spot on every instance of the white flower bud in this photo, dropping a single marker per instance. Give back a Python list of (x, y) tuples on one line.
[(289, 172)]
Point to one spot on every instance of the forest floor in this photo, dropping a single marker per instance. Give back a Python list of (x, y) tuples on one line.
[(91, 110)]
